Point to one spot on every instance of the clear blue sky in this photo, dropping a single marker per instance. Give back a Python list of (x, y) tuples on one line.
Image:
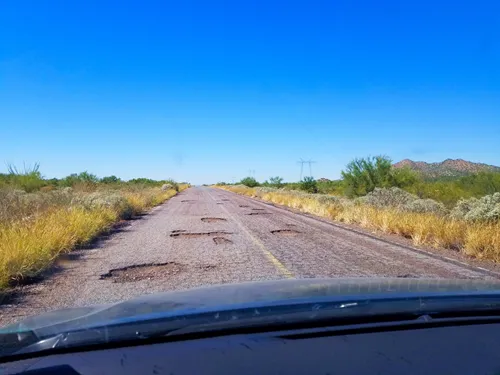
[(206, 90)]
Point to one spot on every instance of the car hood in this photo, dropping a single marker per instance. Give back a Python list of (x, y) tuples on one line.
[(243, 295)]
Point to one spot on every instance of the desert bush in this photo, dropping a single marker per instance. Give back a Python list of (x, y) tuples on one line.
[(426, 206), (362, 176), (30, 179), (392, 197), (276, 182), (110, 180), (485, 209), (309, 185), (111, 200), (250, 182)]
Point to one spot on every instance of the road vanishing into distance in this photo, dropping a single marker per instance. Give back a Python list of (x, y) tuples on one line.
[(209, 236)]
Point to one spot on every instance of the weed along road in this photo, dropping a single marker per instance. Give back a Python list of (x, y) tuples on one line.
[(209, 236)]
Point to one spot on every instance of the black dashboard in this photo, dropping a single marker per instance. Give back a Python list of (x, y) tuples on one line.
[(468, 349)]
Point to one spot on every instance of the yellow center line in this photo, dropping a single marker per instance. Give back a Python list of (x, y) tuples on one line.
[(280, 266)]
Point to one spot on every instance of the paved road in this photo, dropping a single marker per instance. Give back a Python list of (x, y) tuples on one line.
[(209, 236)]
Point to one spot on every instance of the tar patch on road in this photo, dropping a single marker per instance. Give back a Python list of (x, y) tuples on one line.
[(179, 231), (212, 219), (259, 213), (143, 272), (285, 232), (187, 200), (222, 241), (258, 209), (198, 234), (244, 206)]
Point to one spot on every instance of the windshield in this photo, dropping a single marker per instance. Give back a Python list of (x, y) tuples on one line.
[(161, 147)]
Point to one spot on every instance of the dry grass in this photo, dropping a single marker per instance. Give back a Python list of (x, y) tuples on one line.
[(50, 227), (481, 240)]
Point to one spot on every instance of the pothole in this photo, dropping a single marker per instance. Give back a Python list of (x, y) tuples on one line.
[(207, 267), (212, 219), (188, 200), (259, 213), (142, 272), (244, 206), (179, 231), (225, 200), (285, 232), (258, 209), (199, 234), (220, 203), (222, 241)]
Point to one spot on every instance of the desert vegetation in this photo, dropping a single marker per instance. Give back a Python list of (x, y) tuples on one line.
[(42, 218), (460, 213)]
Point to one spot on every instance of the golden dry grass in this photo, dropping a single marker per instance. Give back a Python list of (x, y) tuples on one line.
[(27, 247), (481, 240)]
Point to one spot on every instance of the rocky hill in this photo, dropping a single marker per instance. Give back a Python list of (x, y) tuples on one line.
[(447, 168)]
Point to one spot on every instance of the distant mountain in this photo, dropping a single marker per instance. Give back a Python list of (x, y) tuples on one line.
[(447, 168)]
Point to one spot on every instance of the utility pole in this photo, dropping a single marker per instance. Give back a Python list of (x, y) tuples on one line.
[(310, 168), (302, 162)]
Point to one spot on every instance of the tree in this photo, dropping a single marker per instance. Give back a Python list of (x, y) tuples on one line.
[(250, 182), (309, 184), (276, 181), (80, 178), (362, 176), (110, 180)]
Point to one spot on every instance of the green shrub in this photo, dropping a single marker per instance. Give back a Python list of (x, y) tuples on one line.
[(309, 185), (110, 180), (29, 180), (362, 176), (250, 182), (276, 182)]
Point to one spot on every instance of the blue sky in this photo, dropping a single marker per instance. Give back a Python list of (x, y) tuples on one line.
[(204, 91)]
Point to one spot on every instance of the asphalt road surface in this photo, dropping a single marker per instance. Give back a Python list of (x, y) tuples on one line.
[(210, 236)]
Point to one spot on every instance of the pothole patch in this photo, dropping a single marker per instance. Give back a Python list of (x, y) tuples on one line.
[(259, 213), (222, 241), (199, 234), (285, 232), (179, 231), (220, 203), (244, 206), (146, 271), (258, 209), (188, 200), (212, 219)]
